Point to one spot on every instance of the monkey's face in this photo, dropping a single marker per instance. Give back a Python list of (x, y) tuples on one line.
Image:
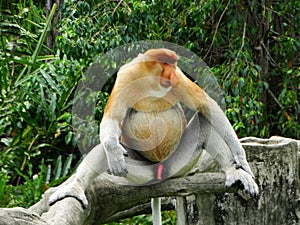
[(168, 75), (152, 78), (167, 61)]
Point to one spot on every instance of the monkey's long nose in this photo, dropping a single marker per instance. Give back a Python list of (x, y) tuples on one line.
[(165, 82), (168, 76)]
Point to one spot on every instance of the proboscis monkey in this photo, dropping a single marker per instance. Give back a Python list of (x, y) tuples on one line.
[(143, 114)]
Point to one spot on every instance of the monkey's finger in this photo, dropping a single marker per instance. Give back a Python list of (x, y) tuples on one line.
[(249, 185), (253, 188), (119, 172), (118, 168)]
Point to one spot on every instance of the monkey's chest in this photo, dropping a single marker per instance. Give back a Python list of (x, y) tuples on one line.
[(154, 135)]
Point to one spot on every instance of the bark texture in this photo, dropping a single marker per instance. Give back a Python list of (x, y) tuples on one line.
[(275, 164)]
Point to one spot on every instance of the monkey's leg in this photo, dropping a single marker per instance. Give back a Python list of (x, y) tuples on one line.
[(93, 164), (216, 146), (220, 151), (200, 134), (189, 149), (184, 157)]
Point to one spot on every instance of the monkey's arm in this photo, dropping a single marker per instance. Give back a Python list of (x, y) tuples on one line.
[(134, 85), (191, 95), (110, 132)]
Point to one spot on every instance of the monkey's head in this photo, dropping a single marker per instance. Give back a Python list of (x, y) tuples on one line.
[(167, 60), (162, 55)]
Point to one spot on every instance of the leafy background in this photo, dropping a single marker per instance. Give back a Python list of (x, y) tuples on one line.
[(252, 47)]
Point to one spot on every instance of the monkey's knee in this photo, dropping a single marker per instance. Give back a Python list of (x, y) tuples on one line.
[(199, 127)]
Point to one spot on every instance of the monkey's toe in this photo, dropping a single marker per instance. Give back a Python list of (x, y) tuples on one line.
[(69, 191), (118, 172)]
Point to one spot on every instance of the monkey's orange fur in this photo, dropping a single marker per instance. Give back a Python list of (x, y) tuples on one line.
[(154, 134), (151, 89), (144, 111)]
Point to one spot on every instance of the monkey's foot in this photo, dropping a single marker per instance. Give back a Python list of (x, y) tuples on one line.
[(73, 190), (234, 175)]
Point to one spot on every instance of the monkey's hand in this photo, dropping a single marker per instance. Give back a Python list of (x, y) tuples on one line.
[(72, 189), (115, 158), (234, 175)]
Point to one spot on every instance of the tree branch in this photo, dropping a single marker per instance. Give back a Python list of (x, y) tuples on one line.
[(115, 201), (216, 30)]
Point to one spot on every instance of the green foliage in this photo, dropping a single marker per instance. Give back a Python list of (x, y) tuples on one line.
[(221, 33), (258, 72), (34, 184), (168, 217), (287, 85), (35, 102), (244, 106)]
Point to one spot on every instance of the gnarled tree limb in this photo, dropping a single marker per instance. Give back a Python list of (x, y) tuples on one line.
[(109, 201)]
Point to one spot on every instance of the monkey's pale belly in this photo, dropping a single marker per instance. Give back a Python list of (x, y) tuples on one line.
[(154, 135)]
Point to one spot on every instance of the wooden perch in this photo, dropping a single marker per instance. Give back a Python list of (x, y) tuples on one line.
[(107, 200)]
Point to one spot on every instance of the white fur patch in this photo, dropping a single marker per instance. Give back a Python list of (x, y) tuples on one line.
[(109, 128), (160, 92)]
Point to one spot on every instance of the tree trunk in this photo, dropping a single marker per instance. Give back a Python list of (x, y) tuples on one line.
[(203, 198), (56, 17), (275, 164)]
